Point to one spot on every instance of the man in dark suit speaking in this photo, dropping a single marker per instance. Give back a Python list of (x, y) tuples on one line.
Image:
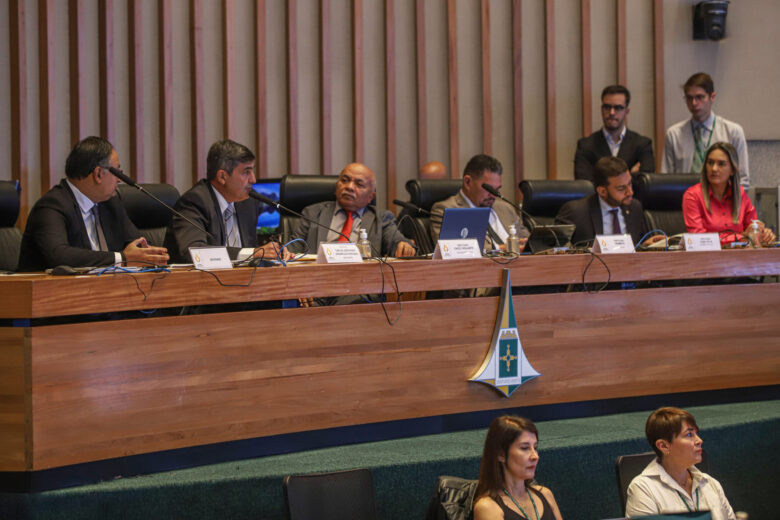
[(612, 210), (220, 204), (614, 139), (79, 222)]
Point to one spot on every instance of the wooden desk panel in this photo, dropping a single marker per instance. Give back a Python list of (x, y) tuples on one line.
[(112, 389), (43, 296), (14, 401)]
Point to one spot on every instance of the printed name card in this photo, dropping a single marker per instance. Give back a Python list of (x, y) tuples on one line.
[(609, 244), (338, 253), (206, 258), (701, 242), (451, 249)]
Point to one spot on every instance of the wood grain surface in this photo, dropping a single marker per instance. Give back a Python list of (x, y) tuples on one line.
[(38, 296), (112, 389)]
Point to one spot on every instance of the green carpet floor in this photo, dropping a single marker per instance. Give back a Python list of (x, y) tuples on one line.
[(577, 463)]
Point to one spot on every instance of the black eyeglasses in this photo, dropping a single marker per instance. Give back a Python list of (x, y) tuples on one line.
[(608, 108)]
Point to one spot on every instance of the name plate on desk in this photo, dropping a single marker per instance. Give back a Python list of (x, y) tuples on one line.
[(338, 253), (608, 244), (206, 258), (451, 249), (701, 242)]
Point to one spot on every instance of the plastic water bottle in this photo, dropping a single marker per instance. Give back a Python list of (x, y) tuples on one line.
[(364, 246), (755, 235), (513, 241)]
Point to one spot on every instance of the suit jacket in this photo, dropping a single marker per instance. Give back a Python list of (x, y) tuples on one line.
[(56, 235), (505, 212), (585, 214), (633, 149), (381, 229), (200, 205)]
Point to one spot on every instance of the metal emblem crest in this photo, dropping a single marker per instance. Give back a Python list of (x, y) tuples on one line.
[(505, 366)]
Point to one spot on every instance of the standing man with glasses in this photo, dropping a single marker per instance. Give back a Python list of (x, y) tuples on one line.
[(687, 142), (614, 139)]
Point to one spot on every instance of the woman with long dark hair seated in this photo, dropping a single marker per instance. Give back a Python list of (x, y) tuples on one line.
[(506, 488), (718, 204)]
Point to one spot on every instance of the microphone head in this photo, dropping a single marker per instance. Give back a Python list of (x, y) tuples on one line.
[(262, 198), (116, 172), (490, 189)]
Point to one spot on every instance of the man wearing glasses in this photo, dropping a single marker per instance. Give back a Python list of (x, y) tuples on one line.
[(612, 210), (687, 142), (614, 139)]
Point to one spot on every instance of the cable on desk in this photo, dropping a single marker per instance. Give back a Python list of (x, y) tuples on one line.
[(585, 271)]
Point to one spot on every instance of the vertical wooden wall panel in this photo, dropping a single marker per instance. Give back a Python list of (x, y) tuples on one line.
[(47, 78), (136, 96), (517, 92), (422, 110), (621, 22), (106, 57), (261, 91), (587, 83), (77, 47), (658, 73), (166, 92), (326, 100), (196, 72), (390, 108), (487, 107), (357, 61), (549, 23), (18, 61), (452, 65), (228, 109), (292, 85)]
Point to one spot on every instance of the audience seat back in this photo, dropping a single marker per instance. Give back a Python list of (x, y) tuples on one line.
[(298, 191), (331, 496)]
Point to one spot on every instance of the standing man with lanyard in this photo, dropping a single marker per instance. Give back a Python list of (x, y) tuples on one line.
[(687, 142)]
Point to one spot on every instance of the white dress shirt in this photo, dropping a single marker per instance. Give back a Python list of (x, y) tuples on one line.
[(655, 492), (614, 146), (494, 221), (606, 218), (85, 205), (244, 252)]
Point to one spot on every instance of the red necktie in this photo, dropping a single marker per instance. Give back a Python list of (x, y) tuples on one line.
[(346, 230)]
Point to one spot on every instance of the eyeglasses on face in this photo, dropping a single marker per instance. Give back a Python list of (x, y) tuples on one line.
[(606, 107)]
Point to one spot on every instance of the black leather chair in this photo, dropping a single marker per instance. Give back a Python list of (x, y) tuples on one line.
[(298, 191), (10, 236), (629, 466), (424, 194), (331, 496), (149, 216), (453, 499), (543, 198), (661, 197)]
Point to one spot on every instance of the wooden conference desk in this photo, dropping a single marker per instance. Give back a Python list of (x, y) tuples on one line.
[(93, 390)]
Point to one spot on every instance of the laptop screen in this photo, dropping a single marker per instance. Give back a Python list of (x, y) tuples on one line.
[(268, 220)]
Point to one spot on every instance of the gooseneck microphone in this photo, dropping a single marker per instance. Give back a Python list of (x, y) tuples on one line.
[(116, 172), (493, 191), (271, 202), (411, 207)]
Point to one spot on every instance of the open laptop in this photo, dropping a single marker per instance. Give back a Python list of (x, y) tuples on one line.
[(462, 223)]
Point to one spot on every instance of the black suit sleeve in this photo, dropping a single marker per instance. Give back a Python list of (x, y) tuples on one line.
[(646, 157), (583, 165)]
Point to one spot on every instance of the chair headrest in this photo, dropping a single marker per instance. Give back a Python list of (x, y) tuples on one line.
[(425, 193), (9, 203), (298, 191), (544, 198), (144, 211), (663, 191)]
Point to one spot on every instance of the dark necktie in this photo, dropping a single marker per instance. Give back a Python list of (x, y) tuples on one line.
[(101, 237), (615, 221)]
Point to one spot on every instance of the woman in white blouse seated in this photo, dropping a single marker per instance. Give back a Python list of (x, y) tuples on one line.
[(672, 483)]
